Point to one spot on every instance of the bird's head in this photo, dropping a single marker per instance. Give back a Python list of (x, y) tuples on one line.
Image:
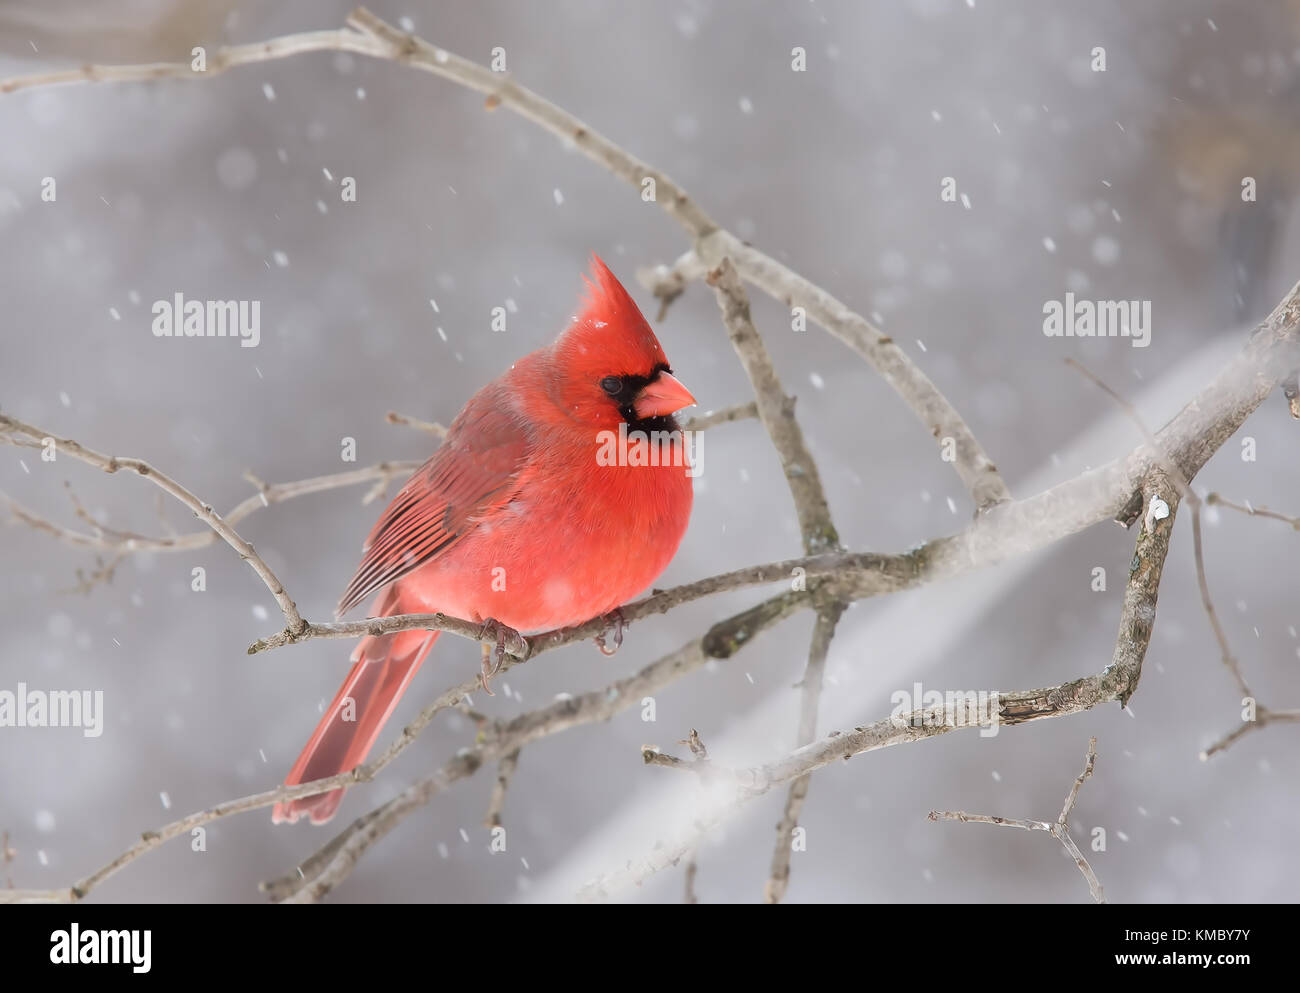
[(610, 366)]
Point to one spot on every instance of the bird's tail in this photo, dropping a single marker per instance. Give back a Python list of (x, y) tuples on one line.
[(383, 668)]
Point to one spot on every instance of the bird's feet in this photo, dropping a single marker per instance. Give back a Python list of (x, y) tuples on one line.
[(619, 623), (491, 666)]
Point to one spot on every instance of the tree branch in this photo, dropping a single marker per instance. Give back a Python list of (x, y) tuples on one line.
[(265, 497), (12, 427), (724, 416), (776, 411), (778, 879), (224, 58), (428, 427), (1059, 830), (1116, 682), (370, 35), (497, 802), (503, 738), (1001, 530)]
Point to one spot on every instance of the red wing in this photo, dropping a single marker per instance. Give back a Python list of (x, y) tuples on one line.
[(477, 469)]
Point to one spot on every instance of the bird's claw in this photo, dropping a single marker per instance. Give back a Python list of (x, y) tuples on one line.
[(620, 622), (490, 668)]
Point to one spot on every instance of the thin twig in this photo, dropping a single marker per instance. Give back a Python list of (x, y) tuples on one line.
[(778, 878), (372, 36), (12, 427), (428, 427), (667, 283), (495, 742), (692, 870), (497, 802), (265, 497), (1116, 682), (1217, 500), (1263, 717), (776, 411), (218, 62), (726, 415), (1058, 830)]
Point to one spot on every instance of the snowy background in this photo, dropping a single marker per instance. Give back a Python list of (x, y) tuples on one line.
[(1122, 184)]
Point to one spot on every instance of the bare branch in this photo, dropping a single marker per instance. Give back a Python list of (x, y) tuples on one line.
[(976, 470), (365, 831), (154, 839), (1194, 502), (496, 804), (375, 627), (496, 741), (1216, 500), (1003, 528), (12, 427), (1116, 682), (1073, 796), (859, 574), (220, 60), (713, 244), (266, 496), (503, 91), (1263, 717), (652, 756), (775, 410), (1207, 602), (1059, 830), (726, 415), (428, 427), (823, 631), (150, 840), (372, 36), (667, 283)]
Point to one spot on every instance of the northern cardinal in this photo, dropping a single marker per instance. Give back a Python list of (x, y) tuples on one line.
[(518, 518)]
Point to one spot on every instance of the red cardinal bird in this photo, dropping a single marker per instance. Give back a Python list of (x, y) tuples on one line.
[(519, 517)]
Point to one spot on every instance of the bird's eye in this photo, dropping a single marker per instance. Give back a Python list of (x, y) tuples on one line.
[(611, 385)]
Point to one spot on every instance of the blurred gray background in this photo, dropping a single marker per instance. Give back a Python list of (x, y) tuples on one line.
[(1122, 184)]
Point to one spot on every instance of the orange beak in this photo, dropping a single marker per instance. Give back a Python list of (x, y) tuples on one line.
[(662, 397)]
